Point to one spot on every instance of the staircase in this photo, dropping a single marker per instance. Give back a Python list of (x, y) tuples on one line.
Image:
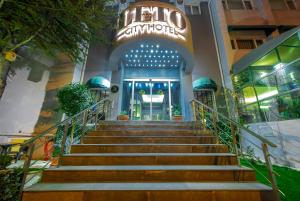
[(148, 161)]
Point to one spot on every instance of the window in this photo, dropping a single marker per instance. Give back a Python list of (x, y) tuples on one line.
[(195, 10), (192, 10), (259, 42), (283, 4), (232, 44), (237, 4), (187, 9), (245, 44), (291, 4), (224, 3), (248, 5)]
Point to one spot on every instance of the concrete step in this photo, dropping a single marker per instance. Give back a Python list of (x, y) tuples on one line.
[(143, 123), (150, 159), (146, 126), (149, 148), (147, 132), (65, 174), (148, 192), (149, 139)]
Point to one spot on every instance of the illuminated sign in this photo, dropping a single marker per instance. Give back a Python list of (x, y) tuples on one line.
[(147, 19)]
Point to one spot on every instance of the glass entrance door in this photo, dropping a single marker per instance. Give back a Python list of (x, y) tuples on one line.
[(160, 100), (141, 101), (149, 99)]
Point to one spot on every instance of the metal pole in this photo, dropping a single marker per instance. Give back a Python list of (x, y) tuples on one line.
[(270, 171), (132, 100), (26, 167), (63, 143), (234, 142), (96, 117), (170, 100), (151, 83), (203, 117), (194, 110)]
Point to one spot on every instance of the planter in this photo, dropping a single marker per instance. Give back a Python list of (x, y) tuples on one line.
[(54, 161), (123, 117), (177, 118)]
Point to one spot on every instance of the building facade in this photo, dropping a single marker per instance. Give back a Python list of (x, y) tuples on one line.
[(160, 48)]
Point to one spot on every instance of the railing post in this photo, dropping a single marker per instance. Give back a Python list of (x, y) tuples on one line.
[(203, 117), (215, 123), (26, 166), (63, 143), (73, 124), (96, 117), (235, 142), (194, 111), (270, 171)]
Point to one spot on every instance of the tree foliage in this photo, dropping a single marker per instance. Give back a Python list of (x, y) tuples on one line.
[(74, 98), (54, 25)]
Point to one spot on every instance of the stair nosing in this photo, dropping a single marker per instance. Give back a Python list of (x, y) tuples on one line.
[(150, 168), (149, 186), (150, 154), (149, 144)]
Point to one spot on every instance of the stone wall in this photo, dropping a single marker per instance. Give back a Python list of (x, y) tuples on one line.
[(285, 134), (28, 105)]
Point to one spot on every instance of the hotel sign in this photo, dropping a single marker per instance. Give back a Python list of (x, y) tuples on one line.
[(158, 19)]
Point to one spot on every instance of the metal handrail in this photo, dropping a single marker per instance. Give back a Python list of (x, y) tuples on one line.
[(262, 139), (234, 126), (61, 140), (33, 139)]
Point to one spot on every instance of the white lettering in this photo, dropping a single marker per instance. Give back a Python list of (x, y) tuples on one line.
[(172, 25)]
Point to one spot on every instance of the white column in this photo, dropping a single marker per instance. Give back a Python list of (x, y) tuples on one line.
[(186, 95)]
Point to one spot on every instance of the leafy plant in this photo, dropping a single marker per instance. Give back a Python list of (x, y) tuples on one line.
[(10, 180), (124, 112), (52, 26), (74, 98), (59, 136), (176, 110), (10, 183), (5, 160), (160, 92), (142, 92)]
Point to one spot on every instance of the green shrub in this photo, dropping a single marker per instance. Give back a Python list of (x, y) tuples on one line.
[(73, 98), (10, 180), (5, 161)]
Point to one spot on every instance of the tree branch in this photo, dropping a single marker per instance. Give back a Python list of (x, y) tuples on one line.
[(27, 40)]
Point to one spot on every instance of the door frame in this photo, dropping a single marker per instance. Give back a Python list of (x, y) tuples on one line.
[(150, 80)]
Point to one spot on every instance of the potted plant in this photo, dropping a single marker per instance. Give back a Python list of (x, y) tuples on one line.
[(177, 113), (142, 92), (160, 92), (123, 116)]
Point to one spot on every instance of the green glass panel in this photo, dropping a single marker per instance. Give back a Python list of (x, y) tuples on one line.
[(241, 79), (269, 59), (266, 87), (288, 54), (293, 40), (249, 95)]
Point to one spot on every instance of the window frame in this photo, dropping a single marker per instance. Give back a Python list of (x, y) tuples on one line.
[(190, 6), (287, 5), (225, 2), (254, 41)]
